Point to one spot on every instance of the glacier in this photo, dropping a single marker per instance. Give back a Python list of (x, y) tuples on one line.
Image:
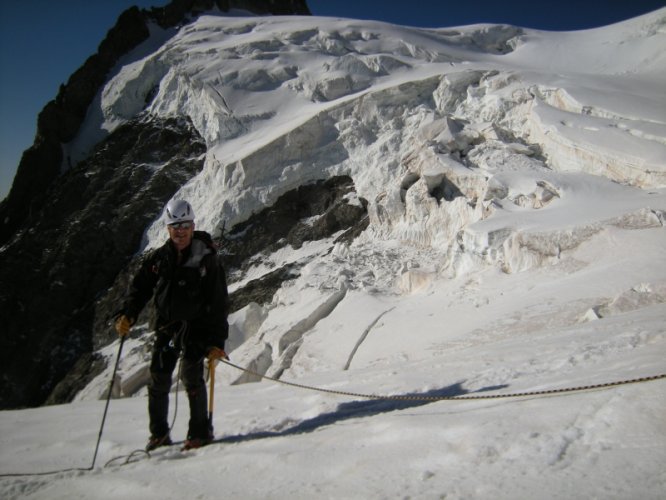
[(516, 190)]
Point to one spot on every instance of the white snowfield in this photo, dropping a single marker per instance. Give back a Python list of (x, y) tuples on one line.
[(516, 182)]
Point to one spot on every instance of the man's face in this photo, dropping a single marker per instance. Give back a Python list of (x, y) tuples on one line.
[(181, 234)]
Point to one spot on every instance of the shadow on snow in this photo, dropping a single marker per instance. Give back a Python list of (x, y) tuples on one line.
[(358, 409)]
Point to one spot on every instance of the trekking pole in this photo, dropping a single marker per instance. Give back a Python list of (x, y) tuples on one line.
[(108, 399), (211, 395)]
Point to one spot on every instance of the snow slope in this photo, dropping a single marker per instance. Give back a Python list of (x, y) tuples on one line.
[(517, 199)]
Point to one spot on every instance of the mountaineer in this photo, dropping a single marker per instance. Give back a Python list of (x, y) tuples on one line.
[(191, 303)]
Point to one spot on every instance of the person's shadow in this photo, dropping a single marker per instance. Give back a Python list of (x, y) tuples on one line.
[(359, 409)]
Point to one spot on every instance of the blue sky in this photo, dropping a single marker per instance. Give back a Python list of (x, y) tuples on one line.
[(42, 42)]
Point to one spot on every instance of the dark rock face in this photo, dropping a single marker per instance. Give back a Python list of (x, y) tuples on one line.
[(90, 223), (88, 366), (285, 222), (177, 10), (311, 212), (61, 118)]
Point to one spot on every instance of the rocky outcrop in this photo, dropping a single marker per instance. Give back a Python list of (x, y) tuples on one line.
[(308, 213), (91, 222), (61, 118)]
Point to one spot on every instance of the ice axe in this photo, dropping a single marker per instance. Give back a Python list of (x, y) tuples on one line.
[(213, 356)]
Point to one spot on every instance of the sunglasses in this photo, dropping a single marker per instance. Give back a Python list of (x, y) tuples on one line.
[(181, 225)]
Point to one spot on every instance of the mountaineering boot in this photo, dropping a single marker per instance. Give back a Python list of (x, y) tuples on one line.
[(193, 444), (157, 441)]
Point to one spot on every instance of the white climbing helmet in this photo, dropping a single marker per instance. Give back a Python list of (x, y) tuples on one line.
[(179, 211)]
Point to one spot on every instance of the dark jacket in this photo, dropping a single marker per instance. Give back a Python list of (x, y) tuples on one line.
[(192, 291)]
